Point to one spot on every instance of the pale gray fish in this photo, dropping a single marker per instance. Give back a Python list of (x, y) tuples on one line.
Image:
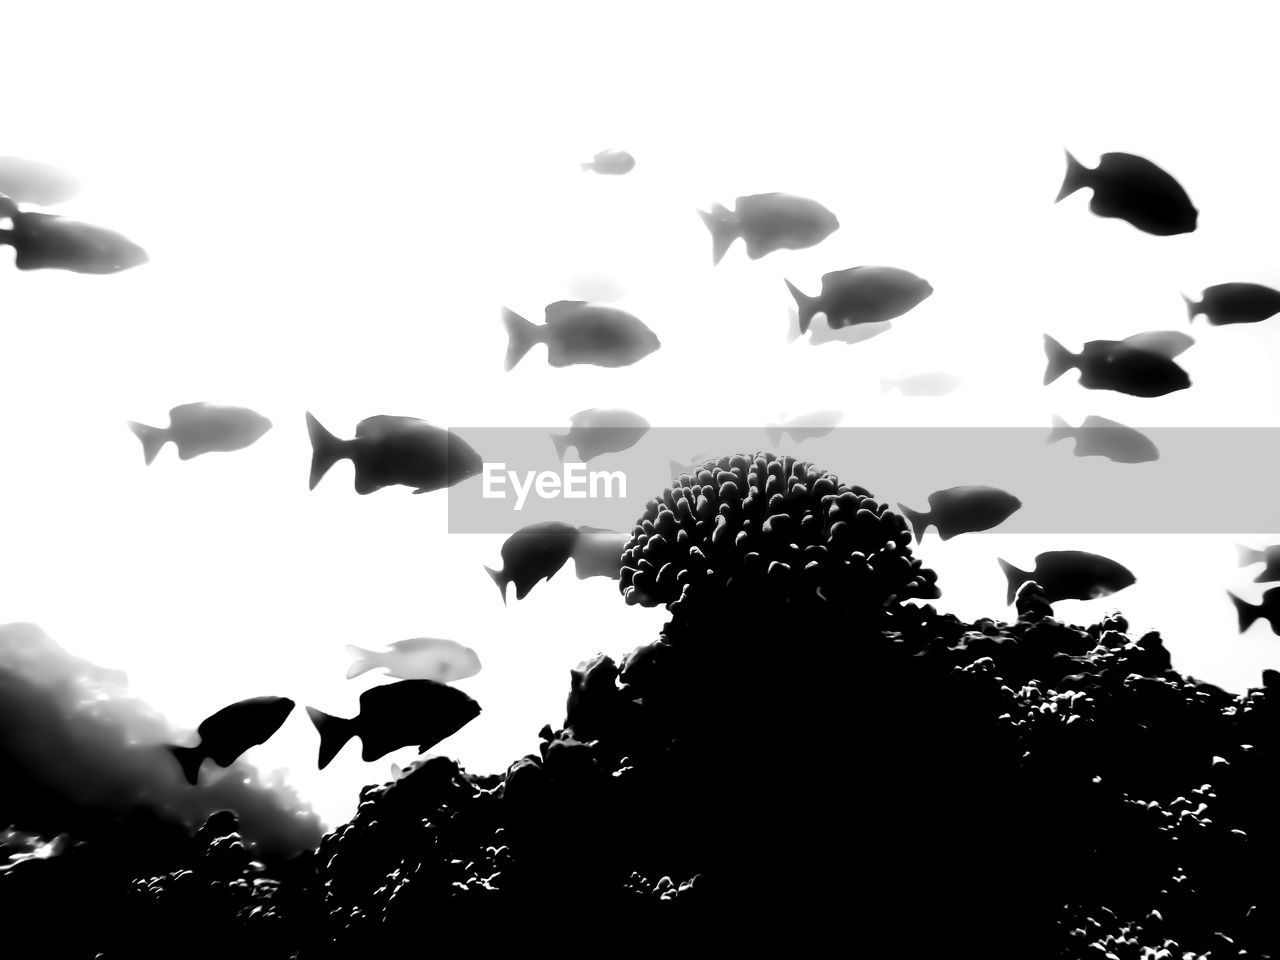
[(594, 287), (611, 162), (200, 428), (580, 332), (1100, 437), (935, 383), (866, 294), (595, 432), (1267, 555), (768, 222), (808, 426), (421, 658), (820, 333), (598, 553), (1165, 343), (30, 181)]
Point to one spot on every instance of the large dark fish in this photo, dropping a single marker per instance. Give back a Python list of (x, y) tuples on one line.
[(29, 181), (1070, 575), (394, 715), (611, 162), (231, 731), (395, 450), (594, 432), (1268, 610), (861, 295), (965, 509), (42, 241), (579, 332), (1100, 437), (199, 428), (1226, 303), (533, 554), (1116, 365), (768, 222), (598, 553), (422, 658), (1268, 555), (1135, 190)]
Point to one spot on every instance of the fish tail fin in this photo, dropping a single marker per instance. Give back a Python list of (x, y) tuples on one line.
[(774, 433), (1246, 613), (1060, 359), (362, 661), (1015, 577), (919, 521), (805, 304), (1194, 308), (326, 449), (500, 580), (153, 438), (334, 733), (561, 443), (1249, 555), (521, 336), (189, 759), (1077, 176), (1060, 431), (724, 230)]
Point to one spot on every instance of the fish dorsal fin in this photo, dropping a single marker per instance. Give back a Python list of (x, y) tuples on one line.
[(563, 308)]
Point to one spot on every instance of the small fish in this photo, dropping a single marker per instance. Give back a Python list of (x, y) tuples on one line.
[(1100, 437), (937, 383), (594, 432), (231, 731), (1116, 365), (422, 658), (395, 450), (1268, 555), (29, 181), (1226, 303), (1135, 190), (1070, 575), (598, 553), (809, 426), (768, 222), (820, 333), (42, 241), (395, 715), (1268, 610), (533, 554), (595, 287), (200, 428), (861, 295), (966, 509), (579, 332), (612, 162)]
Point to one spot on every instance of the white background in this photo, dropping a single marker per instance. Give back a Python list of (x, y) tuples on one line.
[(339, 198)]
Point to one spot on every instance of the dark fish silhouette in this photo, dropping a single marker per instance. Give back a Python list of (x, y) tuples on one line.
[(768, 222), (613, 162), (965, 509), (42, 241), (231, 731), (422, 658), (598, 553), (1268, 555), (579, 332), (1100, 437), (809, 426), (29, 181), (936, 383), (1135, 190), (1116, 365), (861, 295), (395, 715), (395, 450), (1070, 575), (594, 432), (1226, 303), (1268, 610), (533, 554), (200, 428)]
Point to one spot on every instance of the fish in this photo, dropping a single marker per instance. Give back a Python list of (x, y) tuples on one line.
[(533, 554), (1100, 437), (598, 553), (936, 383), (42, 241), (1116, 365), (595, 432), (29, 181), (225, 735), (1268, 555), (200, 428), (964, 509), (1135, 190), (809, 426), (820, 333), (395, 450), (422, 658), (595, 287), (611, 162), (768, 222), (867, 294), (1070, 575), (395, 715), (1268, 610), (1225, 303), (1165, 343), (579, 332)]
